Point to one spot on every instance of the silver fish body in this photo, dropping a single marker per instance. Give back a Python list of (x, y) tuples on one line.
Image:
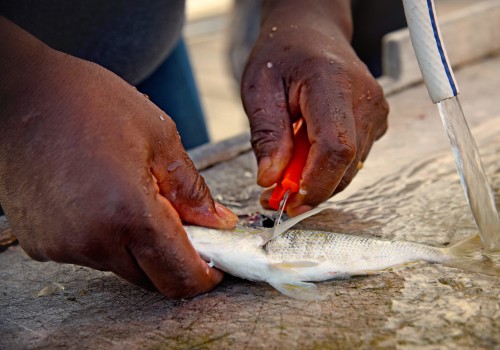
[(335, 255), (296, 257)]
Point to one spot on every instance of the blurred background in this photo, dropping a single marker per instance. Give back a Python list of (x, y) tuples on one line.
[(207, 33)]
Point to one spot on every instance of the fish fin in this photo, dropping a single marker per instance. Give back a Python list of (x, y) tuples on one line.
[(297, 289), (294, 264), (277, 230), (468, 255)]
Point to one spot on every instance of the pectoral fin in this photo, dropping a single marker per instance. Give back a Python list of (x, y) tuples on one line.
[(288, 280), (297, 289)]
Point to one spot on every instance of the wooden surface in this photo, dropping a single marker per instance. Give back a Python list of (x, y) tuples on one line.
[(408, 189)]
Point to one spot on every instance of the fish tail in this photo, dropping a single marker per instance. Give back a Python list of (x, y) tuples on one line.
[(468, 255)]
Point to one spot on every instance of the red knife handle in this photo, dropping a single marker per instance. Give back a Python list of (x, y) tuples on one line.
[(293, 171)]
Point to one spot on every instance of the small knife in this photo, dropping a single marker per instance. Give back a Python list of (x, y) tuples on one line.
[(290, 182)]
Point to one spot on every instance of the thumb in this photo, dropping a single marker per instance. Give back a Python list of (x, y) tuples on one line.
[(188, 193), (265, 103), (179, 181)]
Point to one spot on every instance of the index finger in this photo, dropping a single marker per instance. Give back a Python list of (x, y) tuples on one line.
[(265, 103)]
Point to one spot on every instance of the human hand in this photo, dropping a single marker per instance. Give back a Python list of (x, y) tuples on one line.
[(93, 173), (302, 65)]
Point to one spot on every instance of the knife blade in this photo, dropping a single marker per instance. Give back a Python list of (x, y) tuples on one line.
[(281, 208)]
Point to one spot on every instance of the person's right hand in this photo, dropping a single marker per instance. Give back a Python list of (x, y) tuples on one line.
[(93, 173), (302, 65)]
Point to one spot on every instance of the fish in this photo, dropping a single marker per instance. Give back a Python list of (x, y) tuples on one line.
[(291, 260)]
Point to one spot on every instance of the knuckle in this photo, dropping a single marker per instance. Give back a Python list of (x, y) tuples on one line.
[(378, 93), (337, 69), (380, 103), (166, 131), (341, 74), (261, 88), (377, 99), (381, 122), (198, 193), (342, 152), (187, 190), (261, 120), (263, 143), (182, 186), (265, 134)]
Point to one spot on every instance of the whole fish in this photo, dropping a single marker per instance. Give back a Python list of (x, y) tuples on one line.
[(289, 261)]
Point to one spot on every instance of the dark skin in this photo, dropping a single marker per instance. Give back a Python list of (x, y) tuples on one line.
[(303, 65), (93, 173)]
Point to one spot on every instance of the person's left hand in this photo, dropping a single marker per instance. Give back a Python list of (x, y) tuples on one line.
[(93, 173), (303, 68)]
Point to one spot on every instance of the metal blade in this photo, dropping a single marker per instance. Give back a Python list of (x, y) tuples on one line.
[(281, 208)]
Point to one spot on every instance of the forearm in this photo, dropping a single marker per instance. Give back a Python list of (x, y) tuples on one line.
[(286, 12), (22, 57)]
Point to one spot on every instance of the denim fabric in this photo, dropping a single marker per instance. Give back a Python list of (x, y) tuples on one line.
[(172, 88)]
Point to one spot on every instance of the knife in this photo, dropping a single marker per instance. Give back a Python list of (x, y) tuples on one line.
[(290, 183)]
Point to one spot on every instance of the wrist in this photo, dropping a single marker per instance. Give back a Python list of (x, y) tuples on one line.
[(316, 13), (21, 67)]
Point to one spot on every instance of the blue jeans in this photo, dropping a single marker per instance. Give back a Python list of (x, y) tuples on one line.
[(172, 88)]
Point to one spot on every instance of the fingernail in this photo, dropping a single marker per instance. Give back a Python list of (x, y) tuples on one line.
[(269, 172), (264, 165), (227, 215)]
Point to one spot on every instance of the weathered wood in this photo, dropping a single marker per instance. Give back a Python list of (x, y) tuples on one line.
[(207, 155)]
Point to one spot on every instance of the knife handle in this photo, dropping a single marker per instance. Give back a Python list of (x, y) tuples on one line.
[(293, 172)]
